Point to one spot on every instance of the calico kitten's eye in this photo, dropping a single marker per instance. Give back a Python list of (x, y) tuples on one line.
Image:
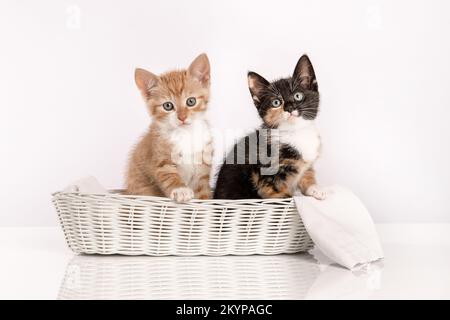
[(276, 103), (191, 101), (298, 96), (168, 106)]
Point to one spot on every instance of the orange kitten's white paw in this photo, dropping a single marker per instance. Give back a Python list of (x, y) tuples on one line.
[(182, 194), (316, 192)]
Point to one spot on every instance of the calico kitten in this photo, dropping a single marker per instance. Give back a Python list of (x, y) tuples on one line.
[(174, 158), (288, 138)]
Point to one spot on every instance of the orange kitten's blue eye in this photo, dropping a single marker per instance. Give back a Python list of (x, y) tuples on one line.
[(298, 96), (191, 101), (276, 103), (168, 106)]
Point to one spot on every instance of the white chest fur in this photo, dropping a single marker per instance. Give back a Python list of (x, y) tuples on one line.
[(188, 147), (304, 137)]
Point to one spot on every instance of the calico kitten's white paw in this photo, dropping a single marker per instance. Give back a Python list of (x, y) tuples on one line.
[(182, 194), (316, 192)]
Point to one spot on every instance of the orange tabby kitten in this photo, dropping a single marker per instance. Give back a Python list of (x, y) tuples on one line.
[(174, 158)]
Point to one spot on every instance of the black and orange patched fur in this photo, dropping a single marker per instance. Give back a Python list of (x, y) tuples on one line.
[(278, 158)]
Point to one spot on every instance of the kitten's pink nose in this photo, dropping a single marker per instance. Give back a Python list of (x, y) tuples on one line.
[(182, 118)]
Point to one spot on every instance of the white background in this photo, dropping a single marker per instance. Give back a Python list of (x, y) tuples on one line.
[(69, 106)]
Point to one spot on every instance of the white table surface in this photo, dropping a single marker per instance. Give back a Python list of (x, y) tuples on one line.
[(35, 263)]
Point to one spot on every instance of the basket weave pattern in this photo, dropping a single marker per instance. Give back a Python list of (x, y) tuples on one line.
[(143, 225)]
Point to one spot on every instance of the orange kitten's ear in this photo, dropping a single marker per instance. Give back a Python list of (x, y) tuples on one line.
[(145, 81), (200, 69)]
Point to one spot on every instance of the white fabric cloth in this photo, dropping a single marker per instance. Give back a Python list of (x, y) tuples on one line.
[(341, 227), (88, 185)]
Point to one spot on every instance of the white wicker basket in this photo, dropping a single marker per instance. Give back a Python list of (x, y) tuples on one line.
[(141, 225), (231, 277)]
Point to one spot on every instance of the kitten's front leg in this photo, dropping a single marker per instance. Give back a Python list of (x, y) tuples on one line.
[(202, 189), (309, 187), (171, 184)]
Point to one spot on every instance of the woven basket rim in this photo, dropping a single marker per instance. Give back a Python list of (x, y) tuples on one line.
[(116, 193)]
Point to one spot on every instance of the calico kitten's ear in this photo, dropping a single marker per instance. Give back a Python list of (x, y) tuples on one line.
[(304, 73), (256, 84), (145, 81), (200, 69)]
